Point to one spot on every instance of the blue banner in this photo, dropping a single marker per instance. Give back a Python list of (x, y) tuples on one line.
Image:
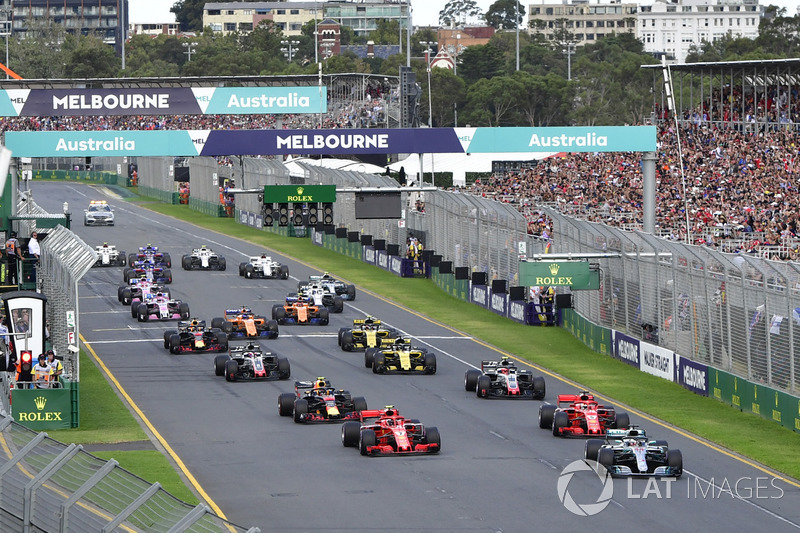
[(479, 294), (516, 310), (626, 349), (691, 375), (498, 302)]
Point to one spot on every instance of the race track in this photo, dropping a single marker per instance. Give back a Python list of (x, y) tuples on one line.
[(497, 472)]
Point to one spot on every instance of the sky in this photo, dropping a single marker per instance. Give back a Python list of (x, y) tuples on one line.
[(424, 12)]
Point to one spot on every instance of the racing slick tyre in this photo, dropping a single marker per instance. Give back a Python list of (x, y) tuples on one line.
[(126, 297), (272, 327), (341, 332), (359, 403), (167, 260), (379, 364), (367, 438), (131, 259), (175, 343), (284, 369), (675, 461), (560, 421), (323, 316), (222, 340), (135, 309), (483, 386), (184, 310), (300, 408), (430, 363), (231, 370), (241, 268), (539, 387), (471, 379), (338, 304), (351, 292), (119, 292), (591, 448), (284, 272), (622, 421), (219, 364), (279, 314), (227, 327), (369, 356), (121, 259), (351, 431), (605, 457), (301, 284), (346, 341), (248, 271), (142, 314), (167, 274), (286, 403), (432, 437), (221, 264), (126, 274), (167, 334), (217, 322), (186, 262), (546, 414)]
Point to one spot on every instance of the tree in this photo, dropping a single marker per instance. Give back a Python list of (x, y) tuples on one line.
[(459, 12), (503, 13), (544, 101), (479, 61), (40, 54), (492, 100), (189, 13), (447, 90), (87, 56)]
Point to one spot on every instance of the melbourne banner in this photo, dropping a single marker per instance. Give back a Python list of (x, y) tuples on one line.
[(163, 101), (282, 142)]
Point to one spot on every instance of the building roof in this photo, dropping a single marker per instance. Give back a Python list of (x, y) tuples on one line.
[(262, 5)]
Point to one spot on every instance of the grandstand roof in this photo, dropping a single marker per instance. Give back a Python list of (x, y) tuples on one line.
[(757, 72)]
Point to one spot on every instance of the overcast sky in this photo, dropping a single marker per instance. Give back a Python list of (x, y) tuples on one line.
[(424, 12)]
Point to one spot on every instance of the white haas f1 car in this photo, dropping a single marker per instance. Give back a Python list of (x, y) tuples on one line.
[(161, 307), (250, 362), (502, 379), (203, 258), (628, 452), (262, 266), (108, 255)]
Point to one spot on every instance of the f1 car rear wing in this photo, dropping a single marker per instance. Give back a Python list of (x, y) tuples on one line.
[(364, 322), (491, 367), (584, 397), (312, 384), (618, 434)]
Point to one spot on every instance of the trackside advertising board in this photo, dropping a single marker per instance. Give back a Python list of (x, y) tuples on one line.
[(656, 361), (626, 349), (282, 142), (691, 375), (163, 101)]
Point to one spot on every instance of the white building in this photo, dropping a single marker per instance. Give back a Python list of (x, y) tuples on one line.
[(672, 27)]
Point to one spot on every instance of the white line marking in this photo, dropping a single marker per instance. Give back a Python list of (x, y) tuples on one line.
[(498, 435), (124, 341)]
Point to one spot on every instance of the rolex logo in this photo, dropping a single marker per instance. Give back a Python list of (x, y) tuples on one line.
[(300, 190), (554, 268), (40, 402)]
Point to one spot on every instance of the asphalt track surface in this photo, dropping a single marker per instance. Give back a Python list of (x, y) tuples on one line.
[(497, 471)]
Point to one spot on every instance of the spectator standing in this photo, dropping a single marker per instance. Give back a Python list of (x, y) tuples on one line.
[(56, 367), (12, 249), (33, 246), (41, 373)]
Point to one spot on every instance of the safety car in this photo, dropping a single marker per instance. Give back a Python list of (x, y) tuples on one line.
[(301, 312), (319, 401), (203, 258), (390, 434), (150, 253), (580, 415), (99, 213), (262, 266), (502, 379), (367, 332), (108, 255), (251, 362), (339, 288), (628, 452), (243, 322), (194, 336), (160, 307), (400, 357)]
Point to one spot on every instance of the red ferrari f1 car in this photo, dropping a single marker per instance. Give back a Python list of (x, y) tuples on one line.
[(391, 434), (580, 415)]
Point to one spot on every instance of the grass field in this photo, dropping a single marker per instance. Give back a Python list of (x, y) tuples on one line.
[(554, 350)]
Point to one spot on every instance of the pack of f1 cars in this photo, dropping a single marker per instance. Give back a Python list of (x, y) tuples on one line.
[(319, 295), (391, 434), (139, 289), (297, 311), (628, 452), (149, 271), (242, 322), (502, 379), (108, 255), (262, 266), (319, 401), (251, 362), (338, 288), (99, 213), (366, 333), (203, 258), (151, 254), (193, 336), (160, 307), (580, 415), (400, 357)]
